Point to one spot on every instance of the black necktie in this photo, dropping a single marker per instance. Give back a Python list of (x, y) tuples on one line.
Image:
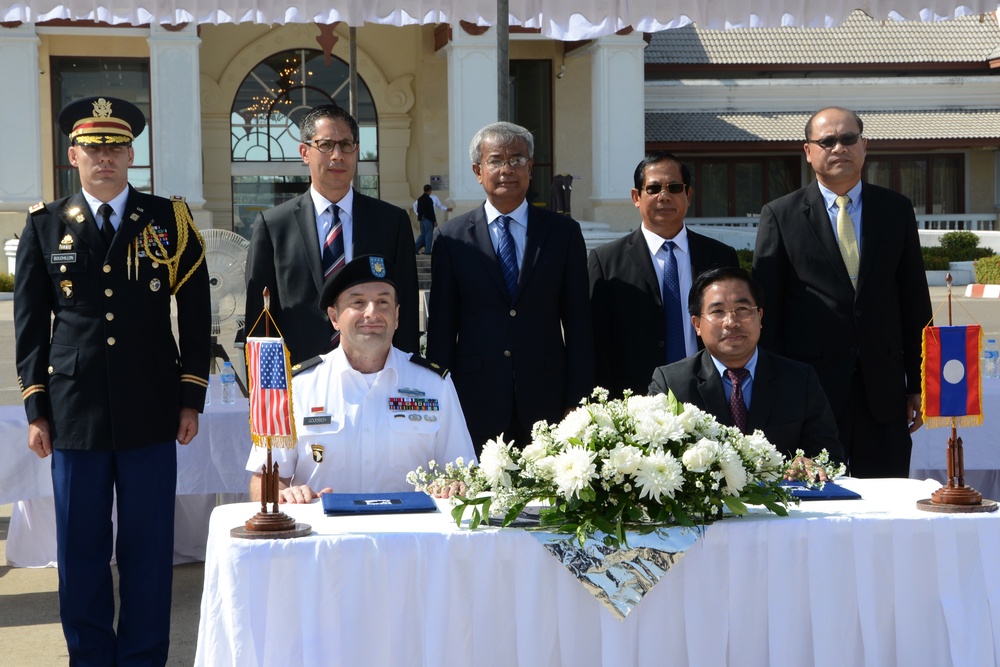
[(107, 228)]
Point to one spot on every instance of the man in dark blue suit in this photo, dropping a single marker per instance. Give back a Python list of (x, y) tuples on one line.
[(626, 279), (509, 313), (840, 265), (737, 381), (106, 388), (296, 245)]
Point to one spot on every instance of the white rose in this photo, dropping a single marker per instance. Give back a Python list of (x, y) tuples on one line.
[(701, 455)]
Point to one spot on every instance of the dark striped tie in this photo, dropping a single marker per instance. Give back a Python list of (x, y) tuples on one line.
[(333, 256), (507, 255)]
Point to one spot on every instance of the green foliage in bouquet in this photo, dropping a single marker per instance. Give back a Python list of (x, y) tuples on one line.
[(611, 466)]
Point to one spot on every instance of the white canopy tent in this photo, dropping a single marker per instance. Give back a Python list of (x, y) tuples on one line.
[(557, 19)]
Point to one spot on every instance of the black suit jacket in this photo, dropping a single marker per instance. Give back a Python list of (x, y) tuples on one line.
[(284, 257), (787, 402), (627, 306), (95, 351), (537, 348), (814, 315)]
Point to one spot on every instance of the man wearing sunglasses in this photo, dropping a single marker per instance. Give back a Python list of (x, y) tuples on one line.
[(639, 283), (840, 266), (297, 245)]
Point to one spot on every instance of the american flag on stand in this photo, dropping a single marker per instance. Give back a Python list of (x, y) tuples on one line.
[(271, 420)]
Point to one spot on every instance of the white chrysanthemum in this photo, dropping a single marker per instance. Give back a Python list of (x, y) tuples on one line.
[(623, 459), (602, 418), (573, 425), (659, 474), (733, 471), (573, 471), (700, 456), (535, 451), (654, 424), (496, 462)]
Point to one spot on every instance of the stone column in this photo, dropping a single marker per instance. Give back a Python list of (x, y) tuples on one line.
[(175, 77), (618, 130), (20, 118), (472, 103)]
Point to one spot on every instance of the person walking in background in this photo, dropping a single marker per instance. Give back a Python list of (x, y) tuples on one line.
[(107, 390), (509, 310), (840, 266), (640, 282), (424, 208)]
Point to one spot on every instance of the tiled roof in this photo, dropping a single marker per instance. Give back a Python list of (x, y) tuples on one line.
[(750, 127), (859, 40)]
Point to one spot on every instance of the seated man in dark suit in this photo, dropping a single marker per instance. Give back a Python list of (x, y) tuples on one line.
[(741, 384)]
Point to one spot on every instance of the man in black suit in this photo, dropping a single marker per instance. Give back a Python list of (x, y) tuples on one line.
[(859, 327), (741, 384), (107, 390), (509, 313), (296, 245), (627, 290)]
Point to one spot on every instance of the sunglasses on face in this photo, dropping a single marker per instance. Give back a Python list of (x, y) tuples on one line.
[(831, 142), (654, 189)]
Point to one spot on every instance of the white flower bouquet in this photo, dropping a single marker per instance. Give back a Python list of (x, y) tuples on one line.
[(634, 463)]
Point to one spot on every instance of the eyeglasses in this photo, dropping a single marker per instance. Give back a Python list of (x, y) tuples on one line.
[(739, 313), (328, 146), (654, 189), (831, 142), (515, 163)]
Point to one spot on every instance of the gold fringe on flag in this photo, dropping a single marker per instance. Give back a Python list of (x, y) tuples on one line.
[(947, 422)]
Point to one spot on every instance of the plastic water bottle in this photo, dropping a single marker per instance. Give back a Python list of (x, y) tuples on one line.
[(991, 359), (228, 378), (208, 392)]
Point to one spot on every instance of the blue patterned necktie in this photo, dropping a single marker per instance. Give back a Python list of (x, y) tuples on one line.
[(672, 308), (507, 254)]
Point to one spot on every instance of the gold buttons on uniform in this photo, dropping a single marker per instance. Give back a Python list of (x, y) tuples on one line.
[(513, 313), (107, 268), (62, 269), (506, 353), (109, 316), (51, 370), (111, 340), (108, 292)]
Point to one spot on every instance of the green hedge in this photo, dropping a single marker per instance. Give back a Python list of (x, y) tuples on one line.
[(6, 282), (745, 255), (987, 270), (935, 258)]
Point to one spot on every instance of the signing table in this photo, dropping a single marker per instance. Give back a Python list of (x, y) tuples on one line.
[(213, 463), (858, 582), (981, 445)]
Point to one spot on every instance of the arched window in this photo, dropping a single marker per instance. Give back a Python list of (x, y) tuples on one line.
[(264, 123)]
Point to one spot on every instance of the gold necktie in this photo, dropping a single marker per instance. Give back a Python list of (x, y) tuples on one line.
[(846, 239)]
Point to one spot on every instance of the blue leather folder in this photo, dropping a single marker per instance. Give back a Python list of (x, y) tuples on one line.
[(830, 491), (397, 502)]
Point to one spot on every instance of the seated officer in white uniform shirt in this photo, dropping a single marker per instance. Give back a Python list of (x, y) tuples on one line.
[(365, 413)]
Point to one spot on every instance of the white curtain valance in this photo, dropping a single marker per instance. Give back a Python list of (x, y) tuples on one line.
[(558, 19)]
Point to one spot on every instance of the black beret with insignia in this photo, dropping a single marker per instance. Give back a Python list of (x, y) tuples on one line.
[(101, 121), (363, 269)]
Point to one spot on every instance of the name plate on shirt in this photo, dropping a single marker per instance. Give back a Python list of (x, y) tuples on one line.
[(320, 419)]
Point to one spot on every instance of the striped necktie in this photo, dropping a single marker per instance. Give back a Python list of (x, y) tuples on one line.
[(673, 309), (507, 255), (333, 256)]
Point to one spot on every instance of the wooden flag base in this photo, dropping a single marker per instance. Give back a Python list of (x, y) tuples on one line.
[(930, 505), (270, 524), (955, 497)]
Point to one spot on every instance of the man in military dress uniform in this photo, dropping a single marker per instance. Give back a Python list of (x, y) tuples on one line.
[(367, 412), (106, 388)]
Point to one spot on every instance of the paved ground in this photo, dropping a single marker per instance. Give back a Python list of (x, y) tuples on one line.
[(30, 634)]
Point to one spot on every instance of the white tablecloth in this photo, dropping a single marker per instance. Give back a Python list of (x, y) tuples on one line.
[(870, 582), (213, 463), (980, 444)]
